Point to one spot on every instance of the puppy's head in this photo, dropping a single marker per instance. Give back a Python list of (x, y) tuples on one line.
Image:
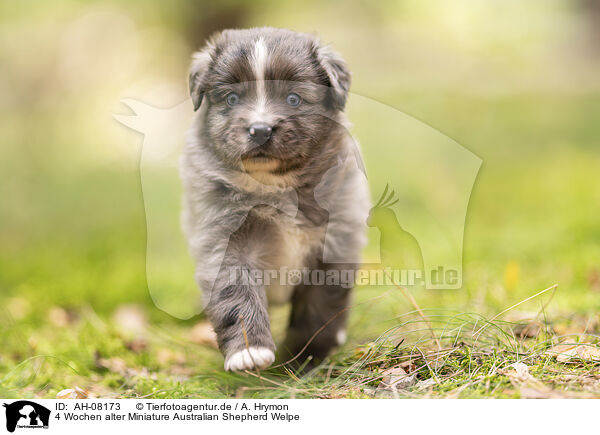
[(270, 99)]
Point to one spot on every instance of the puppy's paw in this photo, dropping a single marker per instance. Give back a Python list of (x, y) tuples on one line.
[(248, 359)]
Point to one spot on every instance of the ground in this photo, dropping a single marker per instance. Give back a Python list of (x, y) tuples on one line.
[(75, 310)]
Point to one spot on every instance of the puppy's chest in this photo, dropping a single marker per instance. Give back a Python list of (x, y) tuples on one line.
[(293, 244)]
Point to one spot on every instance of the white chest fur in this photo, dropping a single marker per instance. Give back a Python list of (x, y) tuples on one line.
[(293, 246)]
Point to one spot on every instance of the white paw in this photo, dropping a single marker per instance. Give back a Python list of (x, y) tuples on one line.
[(250, 358), (341, 337)]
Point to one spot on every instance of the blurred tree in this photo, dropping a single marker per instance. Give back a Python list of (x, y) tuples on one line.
[(202, 18), (590, 10)]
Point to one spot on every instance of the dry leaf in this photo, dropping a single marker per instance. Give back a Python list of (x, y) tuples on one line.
[(58, 317), (530, 330), (174, 363), (130, 319), (167, 357), (548, 393), (203, 333), (564, 352), (137, 344), (569, 328), (181, 373), (528, 392), (408, 366), (72, 393), (588, 352), (518, 372), (421, 385), (117, 365), (396, 378), (529, 387), (568, 352), (593, 279)]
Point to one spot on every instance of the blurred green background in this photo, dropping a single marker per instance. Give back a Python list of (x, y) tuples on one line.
[(514, 82)]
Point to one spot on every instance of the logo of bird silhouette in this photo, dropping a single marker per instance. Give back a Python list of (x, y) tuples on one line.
[(399, 249)]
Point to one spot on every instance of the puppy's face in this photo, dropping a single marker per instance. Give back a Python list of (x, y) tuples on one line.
[(270, 98)]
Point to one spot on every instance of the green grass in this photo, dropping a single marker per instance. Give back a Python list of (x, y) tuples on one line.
[(93, 354), (73, 243)]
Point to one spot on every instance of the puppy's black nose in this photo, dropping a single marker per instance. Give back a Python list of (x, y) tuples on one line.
[(260, 132)]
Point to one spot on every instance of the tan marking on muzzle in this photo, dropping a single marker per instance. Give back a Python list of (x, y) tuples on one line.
[(260, 164)]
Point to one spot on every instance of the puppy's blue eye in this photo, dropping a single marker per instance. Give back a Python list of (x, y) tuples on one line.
[(233, 99), (293, 100)]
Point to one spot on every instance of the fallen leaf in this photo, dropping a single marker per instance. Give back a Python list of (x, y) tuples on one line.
[(588, 352), (60, 317), (72, 393), (568, 352), (548, 393), (203, 333), (118, 365), (593, 279), (562, 352), (517, 371), (529, 330), (421, 385), (138, 344), (167, 357), (408, 366), (529, 386), (569, 328), (181, 373), (130, 319), (527, 392), (396, 379)]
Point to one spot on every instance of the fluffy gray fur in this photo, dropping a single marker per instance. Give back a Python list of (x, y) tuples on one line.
[(241, 197)]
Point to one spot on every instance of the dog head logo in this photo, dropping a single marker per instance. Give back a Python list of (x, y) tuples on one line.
[(26, 414)]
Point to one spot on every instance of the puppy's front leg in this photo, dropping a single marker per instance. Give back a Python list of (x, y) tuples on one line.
[(238, 311), (318, 318)]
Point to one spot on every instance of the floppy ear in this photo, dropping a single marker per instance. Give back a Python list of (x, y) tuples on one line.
[(200, 63), (338, 74)]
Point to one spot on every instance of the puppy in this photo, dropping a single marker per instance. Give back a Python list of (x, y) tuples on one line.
[(267, 189)]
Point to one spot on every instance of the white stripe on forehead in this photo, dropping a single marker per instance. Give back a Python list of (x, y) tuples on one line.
[(259, 66), (259, 59)]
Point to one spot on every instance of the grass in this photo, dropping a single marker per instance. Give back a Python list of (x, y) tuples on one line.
[(73, 252), (470, 356)]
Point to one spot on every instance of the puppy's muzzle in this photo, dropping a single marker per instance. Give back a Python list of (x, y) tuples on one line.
[(260, 132)]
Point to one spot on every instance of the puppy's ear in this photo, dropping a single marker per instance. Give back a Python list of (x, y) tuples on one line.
[(338, 74), (200, 64)]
